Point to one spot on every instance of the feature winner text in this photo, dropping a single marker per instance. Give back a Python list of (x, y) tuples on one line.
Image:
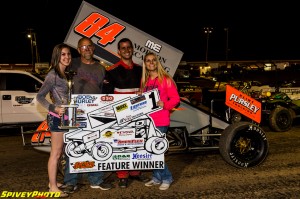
[(111, 166)]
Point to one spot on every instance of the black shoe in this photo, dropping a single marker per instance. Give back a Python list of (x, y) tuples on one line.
[(123, 183), (69, 188), (140, 178)]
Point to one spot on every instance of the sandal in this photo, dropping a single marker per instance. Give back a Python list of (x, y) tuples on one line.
[(59, 185)]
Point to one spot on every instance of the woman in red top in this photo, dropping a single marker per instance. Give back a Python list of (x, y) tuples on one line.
[(154, 76)]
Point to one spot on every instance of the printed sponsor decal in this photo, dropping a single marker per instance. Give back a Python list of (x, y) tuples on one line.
[(243, 103), (127, 118), (92, 105), (125, 133), (81, 118), (121, 107), (133, 142), (39, 137), (84, 99), (142, 156), (107, 98), (138, 99), (82, 124), (108, 134), (80, 111), (138, 106), (23, 99), (83, 165), (121, 157)]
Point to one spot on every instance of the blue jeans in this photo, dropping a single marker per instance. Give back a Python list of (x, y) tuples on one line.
[(95, 178), (162, 175)]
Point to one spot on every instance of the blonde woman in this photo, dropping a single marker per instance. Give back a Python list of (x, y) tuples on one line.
[(154, 76)]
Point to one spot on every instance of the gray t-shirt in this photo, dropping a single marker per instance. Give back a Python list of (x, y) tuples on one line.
[(89, 77), (59, 89)]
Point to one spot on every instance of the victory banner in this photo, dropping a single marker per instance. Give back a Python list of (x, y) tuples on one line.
[(106, 30), (115, 132)]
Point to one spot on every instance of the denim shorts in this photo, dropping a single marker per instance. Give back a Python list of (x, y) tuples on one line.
[(53, 123)]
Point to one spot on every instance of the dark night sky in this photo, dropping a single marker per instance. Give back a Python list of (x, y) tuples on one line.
[(256, 31)]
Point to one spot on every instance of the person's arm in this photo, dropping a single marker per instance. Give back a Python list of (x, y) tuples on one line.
[(44, 90), (173, 96)]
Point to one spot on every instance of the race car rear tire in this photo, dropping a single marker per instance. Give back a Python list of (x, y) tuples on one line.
[(157, 145), (281, 119), (243, 145), (102, 151), (70, 149)]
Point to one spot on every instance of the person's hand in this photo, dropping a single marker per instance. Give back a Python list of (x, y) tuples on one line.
[(60, 110), (139, 92), (160, 104)]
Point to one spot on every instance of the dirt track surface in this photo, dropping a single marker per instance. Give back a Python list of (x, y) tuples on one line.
[(197, 174)]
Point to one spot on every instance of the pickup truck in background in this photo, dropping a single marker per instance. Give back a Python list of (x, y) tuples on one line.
[(18, 104)]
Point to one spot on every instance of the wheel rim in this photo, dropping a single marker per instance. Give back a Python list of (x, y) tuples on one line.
[(247, 145), (283, 120), (102, 151), (73, 149)]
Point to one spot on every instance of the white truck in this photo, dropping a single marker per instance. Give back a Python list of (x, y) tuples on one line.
[(18, 104)]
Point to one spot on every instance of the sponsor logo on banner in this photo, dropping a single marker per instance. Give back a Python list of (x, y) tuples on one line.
[(121, 107), (85, 99), (121, 157), (243, 103), (142, 156), (108, 98), (84, 165), (82, 124)]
